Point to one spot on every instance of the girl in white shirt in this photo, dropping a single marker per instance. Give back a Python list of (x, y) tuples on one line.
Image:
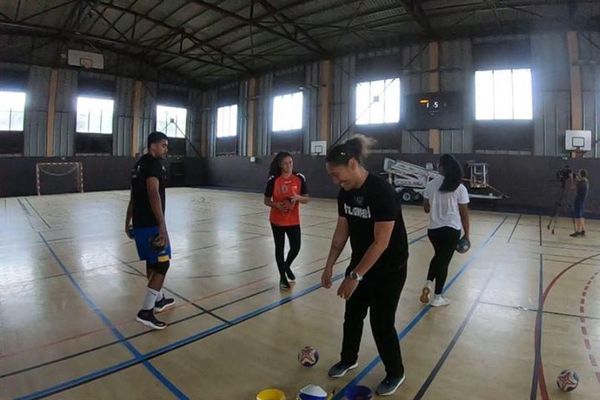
[(446, 201)]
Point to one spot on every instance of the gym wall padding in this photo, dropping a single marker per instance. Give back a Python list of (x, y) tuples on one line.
[(17, 175), (529, 181)]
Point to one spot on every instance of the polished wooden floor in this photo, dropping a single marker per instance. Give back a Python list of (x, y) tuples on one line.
[(525, 305)]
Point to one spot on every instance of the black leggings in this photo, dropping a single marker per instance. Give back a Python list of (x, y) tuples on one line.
[(378, 294), (293, 234), (444, 241)]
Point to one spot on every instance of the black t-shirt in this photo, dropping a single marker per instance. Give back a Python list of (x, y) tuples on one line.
[(147, 166), (374, 202)]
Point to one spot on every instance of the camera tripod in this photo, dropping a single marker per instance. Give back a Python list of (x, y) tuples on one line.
[(561, 204)]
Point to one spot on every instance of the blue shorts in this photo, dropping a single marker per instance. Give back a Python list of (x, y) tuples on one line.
[(143, 241), (578, 209)]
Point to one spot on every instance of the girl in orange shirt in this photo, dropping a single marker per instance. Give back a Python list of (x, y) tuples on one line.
[(284, 192)]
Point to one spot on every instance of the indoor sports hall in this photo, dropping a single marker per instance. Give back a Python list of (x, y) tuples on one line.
[(250, 130)]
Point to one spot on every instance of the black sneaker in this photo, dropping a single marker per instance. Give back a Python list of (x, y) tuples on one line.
[(147, 318), (163, 304), (582, 233), (576, 234), (284, 284), (340, 369), (388, 386), (290, 275)]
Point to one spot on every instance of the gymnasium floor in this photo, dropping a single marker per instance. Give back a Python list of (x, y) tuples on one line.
[(71, 286)]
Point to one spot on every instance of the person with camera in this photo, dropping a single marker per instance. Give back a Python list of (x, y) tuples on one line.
[(581, 184)]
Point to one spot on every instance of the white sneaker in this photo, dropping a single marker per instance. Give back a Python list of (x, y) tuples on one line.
[(439, 301), (426, 292)]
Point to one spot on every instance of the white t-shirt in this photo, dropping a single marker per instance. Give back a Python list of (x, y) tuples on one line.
[(444, 205)]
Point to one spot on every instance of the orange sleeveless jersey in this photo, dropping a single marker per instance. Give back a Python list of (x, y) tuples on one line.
[(281, 189)]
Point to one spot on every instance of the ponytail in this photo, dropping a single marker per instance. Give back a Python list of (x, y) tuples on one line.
[(452, 173), (356, 148)]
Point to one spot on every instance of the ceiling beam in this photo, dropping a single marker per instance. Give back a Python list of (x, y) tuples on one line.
[(177, 31), (275, 12), (10, 27), (256, 24), (413, 7)]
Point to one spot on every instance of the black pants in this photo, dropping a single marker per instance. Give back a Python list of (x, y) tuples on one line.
[(379, 294), (444, 241), (293, 234)]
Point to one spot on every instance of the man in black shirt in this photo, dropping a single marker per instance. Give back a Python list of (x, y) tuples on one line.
[(369, 215), (147, 209)]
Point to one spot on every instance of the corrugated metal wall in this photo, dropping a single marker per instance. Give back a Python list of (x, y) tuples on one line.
[(551, 100), (551, 92), (589, 55), (242, 148), (263, 114), (64, 120), (36, 112), (123, 117), (343, 106)]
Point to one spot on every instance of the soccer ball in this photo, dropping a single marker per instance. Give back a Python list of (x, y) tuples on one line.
[(567, 380), (308, 357)]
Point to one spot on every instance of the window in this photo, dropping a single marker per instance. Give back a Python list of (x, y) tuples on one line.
[(287, 112), (94, 115), (378, 102), (171, 121), (227, 121), (12, 110), (503, 94)]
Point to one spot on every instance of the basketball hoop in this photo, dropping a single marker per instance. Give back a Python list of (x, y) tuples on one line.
[(577, 152), (86, 63)]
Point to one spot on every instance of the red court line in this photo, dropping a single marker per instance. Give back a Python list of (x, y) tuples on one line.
[(584, 332), (542, 379)]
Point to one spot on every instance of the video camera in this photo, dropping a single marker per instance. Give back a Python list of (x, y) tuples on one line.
[(564, 174)]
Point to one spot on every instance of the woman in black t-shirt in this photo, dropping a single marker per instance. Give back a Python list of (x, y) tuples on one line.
[(371, 218)]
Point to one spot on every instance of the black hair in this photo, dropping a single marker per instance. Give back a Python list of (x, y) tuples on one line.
[(452, 173), (583, 173), (356, 148), (156, 137), (275, 168)]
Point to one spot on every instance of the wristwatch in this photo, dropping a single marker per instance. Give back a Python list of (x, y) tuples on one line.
[(353, 275)]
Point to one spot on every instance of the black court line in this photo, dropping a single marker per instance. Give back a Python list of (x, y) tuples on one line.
[(540, 223), (38, 214), (555, 245), (143, 333), (535, 310), (438, 366), (242, 271), (515, 228), (27, 214), (190, 302), (180, 343)]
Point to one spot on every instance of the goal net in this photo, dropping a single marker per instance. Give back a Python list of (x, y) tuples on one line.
[(59, 177)]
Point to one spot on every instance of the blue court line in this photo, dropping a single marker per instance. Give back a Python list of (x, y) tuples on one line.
[(417, 318), (538, 337), (138, 356), (438, 366), (61, 387)]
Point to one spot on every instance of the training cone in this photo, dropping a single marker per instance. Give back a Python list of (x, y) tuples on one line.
[(271, 394)]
